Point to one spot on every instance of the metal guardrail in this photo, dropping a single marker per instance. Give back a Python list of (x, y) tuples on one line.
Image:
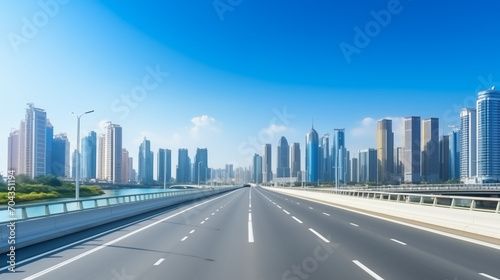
[(484, 204), (430, 187), (36, 210)]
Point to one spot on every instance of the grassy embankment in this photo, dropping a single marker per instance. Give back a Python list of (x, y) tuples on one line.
[(44, 187)]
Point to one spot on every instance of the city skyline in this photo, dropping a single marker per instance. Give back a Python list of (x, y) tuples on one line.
[(182, 94)]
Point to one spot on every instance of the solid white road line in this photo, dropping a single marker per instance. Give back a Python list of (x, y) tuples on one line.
[(488, 276), (249, 217), (319, 235), (286, 211), (353, 224), (397, 241), (367, 270), (159, 261), (61, 264), (326, 214), (185, 237), (299, 221)]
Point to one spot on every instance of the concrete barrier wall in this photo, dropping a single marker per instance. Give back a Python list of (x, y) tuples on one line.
[(41, 229), (482, 223)]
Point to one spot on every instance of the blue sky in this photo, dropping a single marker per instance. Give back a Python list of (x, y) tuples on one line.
[(233, 75)]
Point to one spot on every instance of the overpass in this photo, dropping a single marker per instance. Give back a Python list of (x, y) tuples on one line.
[(262, 233)]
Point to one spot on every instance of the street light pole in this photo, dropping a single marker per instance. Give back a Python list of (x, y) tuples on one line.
[(77, 179)]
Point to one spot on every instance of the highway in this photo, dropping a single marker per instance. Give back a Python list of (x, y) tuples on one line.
[(253, 233)]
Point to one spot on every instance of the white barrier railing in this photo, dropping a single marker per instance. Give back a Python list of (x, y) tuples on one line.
[(36, 210), (429, 187), (485, 204)]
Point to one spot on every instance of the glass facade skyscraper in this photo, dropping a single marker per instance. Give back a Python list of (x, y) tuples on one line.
[(183, 172), (430, 149), (201, 166), (35, 141), (488, 136), (454, 154), (89, 156), (339, 156), (325, 160), (312, 156), (283, 168), (257, 169), (146, 160), (60, 165), (295, 161), (267, 173), (164, 165)]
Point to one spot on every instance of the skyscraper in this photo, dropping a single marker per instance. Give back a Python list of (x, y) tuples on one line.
[(257, 169), (385, 151), (367, 165), (60, 165), (295, 161), (145, 162), (325, 161), (49, 135), (444, 158), (398, 163), (13, 152), (312, 156), (283, 168), (430, 150), (229, 172), (354, 170), (488, 136), (201, 166), (101, 165), (164, 165), (267, 173), (35, 141), (468, 145), (113, 153), (454, 154), (125, 167), (339, 155), (89, 156), (183, 173), (412, 151)]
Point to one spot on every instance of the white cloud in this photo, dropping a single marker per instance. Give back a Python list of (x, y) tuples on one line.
[(366, 127), (202, 123), (273, 128)]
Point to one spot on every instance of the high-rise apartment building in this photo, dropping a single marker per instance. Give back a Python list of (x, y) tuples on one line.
[(35, 125), (412, 149), (430, 150), (13, 161), (385, 151), (125, 167), (468, 145), (113, 153), (488, 136)]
